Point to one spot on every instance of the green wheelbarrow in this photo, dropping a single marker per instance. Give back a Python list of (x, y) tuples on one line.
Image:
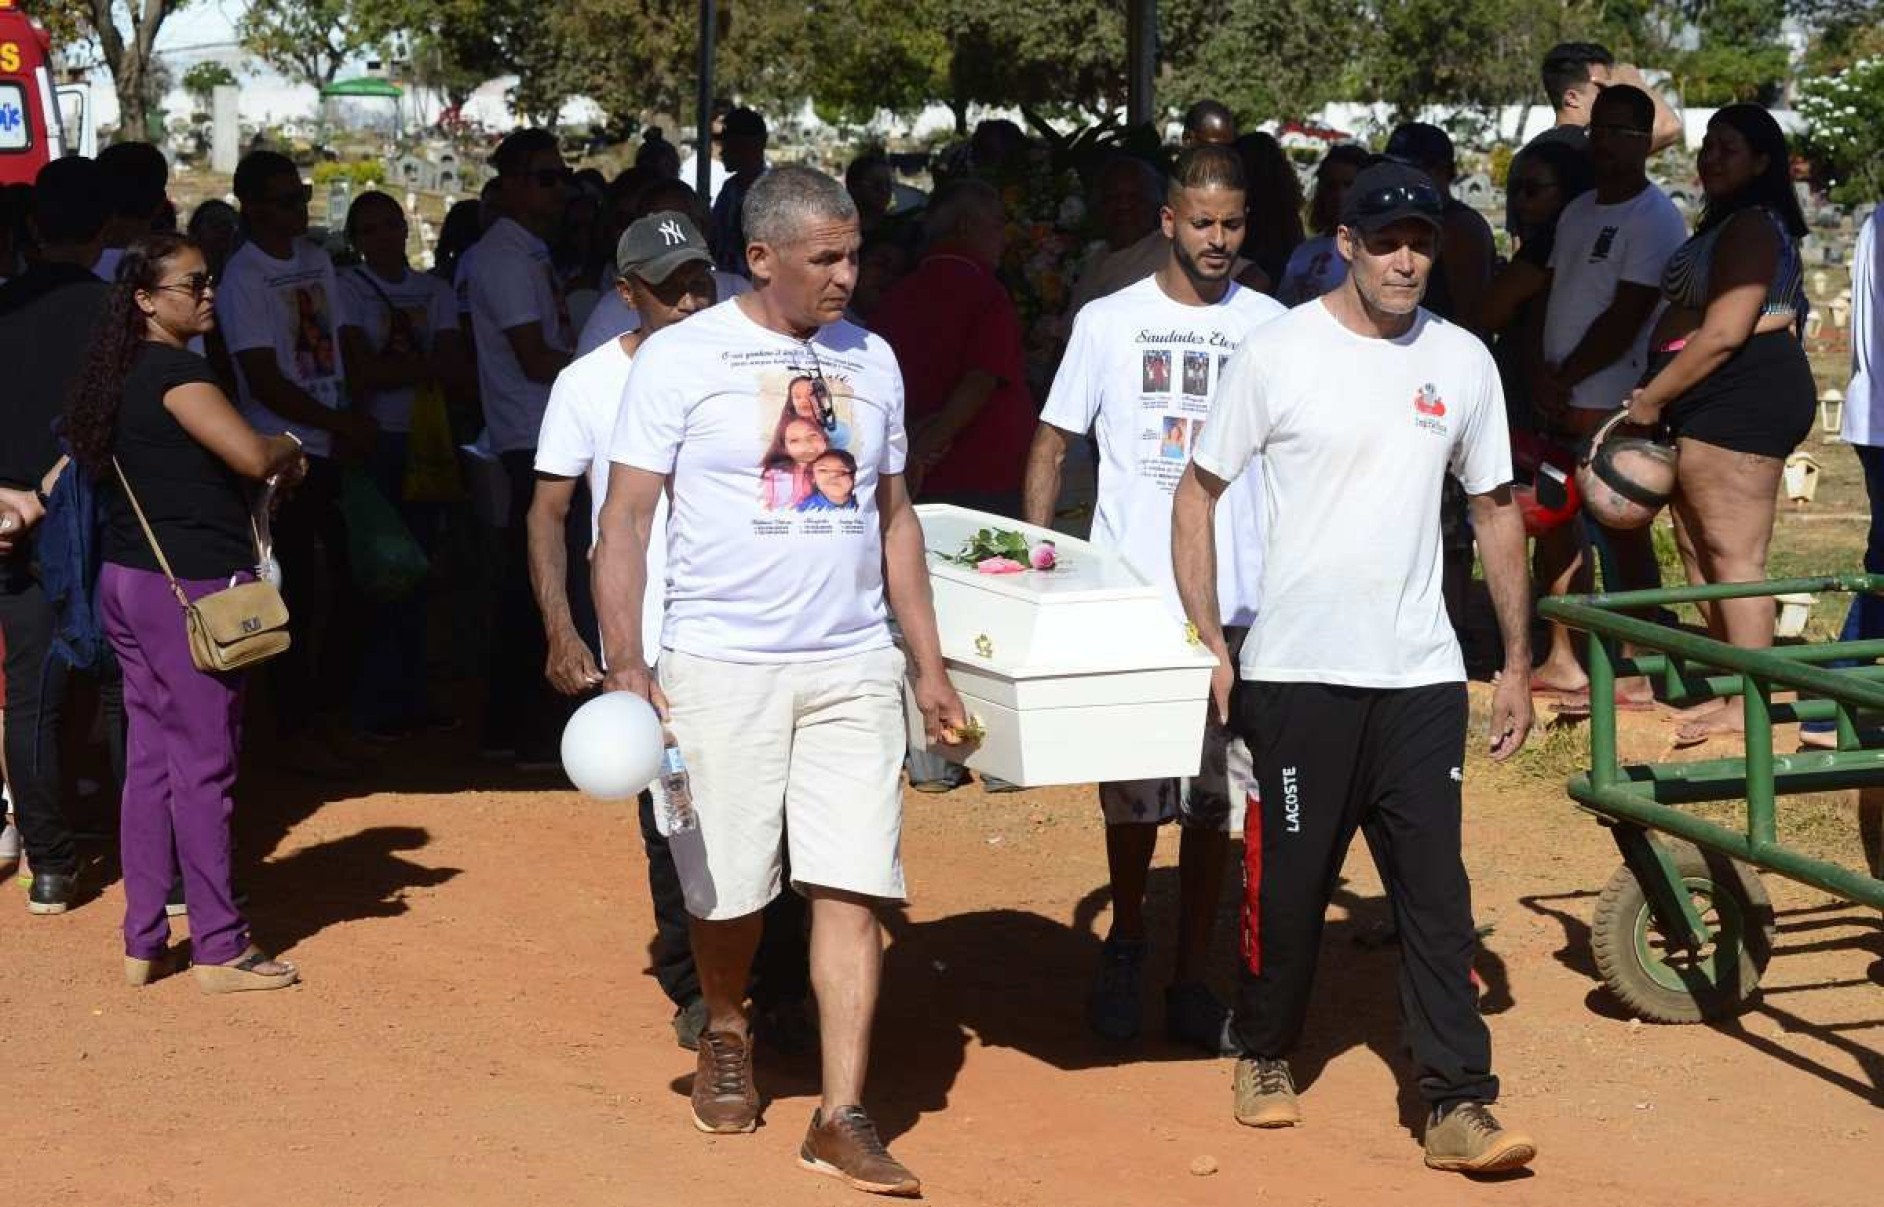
[(1683, 931)]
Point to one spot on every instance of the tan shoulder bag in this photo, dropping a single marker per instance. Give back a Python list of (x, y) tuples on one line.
[(229, 629)]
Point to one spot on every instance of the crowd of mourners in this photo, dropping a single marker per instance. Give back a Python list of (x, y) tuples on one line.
[(672, 443)]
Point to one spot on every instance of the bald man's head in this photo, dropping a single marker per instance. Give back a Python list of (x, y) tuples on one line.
[(1209, 122)]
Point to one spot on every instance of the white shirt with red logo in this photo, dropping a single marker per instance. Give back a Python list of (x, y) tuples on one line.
[(1356, 435)]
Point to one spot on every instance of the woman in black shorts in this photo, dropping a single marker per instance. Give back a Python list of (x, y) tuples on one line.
[(1728, 376)]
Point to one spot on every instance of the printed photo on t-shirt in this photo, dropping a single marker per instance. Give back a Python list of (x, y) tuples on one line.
[(833, 483), (1157, 371), (1173, 446), (802, 428), (1197, 433), (1197, 373), (313, 331), (407, 331)]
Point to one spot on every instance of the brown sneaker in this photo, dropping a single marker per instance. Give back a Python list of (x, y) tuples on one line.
[(724, 1098), (1265, 1093), (847, 1147), (1467, 1139)]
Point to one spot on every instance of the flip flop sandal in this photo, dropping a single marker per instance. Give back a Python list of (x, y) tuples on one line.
[(1578, 705), (242, 975)]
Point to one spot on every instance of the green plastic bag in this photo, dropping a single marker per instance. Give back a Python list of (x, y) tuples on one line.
[(388, 563)]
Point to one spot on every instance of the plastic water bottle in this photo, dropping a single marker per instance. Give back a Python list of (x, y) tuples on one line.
[(675, 815)]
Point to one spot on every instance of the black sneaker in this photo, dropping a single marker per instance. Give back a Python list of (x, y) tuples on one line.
[(1115, 1006), (51, 892)]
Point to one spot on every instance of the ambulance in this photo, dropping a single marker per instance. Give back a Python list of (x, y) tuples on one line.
[(38, 122)]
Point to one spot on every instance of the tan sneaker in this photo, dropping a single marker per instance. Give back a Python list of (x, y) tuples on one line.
[(1265, 1094), (846, 1147), (724, 1098), (1467, 1139)]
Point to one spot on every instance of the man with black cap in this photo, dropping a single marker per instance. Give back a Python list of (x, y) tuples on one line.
[(742, 149), (663, 274), (47, 315), (1352, 695)]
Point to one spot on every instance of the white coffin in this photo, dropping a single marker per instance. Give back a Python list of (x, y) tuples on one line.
[(1079, 673)]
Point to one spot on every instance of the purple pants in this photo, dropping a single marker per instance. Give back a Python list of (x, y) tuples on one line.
[(180, 768)]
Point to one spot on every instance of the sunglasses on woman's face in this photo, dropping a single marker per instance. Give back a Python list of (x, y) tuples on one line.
[(197, 285)]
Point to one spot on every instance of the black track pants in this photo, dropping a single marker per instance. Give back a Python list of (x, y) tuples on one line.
[(1330, 760)]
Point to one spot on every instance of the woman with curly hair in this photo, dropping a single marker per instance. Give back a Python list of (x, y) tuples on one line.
[(148, 421), (1728, 375)]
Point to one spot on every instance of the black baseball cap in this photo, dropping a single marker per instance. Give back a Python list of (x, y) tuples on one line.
[(1420, 145), (1388, 192), (652, 248)]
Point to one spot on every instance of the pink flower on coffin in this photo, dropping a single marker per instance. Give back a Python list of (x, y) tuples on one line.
[(999, 565), (1043, 556)]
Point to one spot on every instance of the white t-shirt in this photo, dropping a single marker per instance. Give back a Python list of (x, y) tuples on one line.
[(1862, 420), (1140, 371), (508, 282), (1598, 247), (293, 307), (584, 405), (716, 176), (1356, 437), (428, 306), (612, 316), (770, 558), (1315, 267)]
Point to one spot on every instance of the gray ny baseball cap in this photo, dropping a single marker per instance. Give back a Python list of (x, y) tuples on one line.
[(654, 246)]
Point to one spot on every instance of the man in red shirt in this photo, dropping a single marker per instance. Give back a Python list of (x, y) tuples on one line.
[(971, 419), (958, 339)]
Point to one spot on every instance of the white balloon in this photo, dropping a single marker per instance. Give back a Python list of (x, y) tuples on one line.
[(612, 746)]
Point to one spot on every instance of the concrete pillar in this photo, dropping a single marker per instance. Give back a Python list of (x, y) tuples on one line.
[(226, 138)]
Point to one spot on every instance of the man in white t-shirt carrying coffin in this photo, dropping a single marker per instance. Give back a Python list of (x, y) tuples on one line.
[(1139, 373), (791, 540), (664, 275), (1353, 698)]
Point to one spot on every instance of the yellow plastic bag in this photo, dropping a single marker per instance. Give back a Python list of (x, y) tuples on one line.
[(431, 457)]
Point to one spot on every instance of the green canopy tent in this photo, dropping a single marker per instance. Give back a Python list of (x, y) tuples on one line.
[(366, 88)]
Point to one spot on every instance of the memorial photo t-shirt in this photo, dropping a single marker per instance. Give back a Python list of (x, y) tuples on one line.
[(416, 308), (775, 446), (1139, 373), (1356, 436), (292, 307)]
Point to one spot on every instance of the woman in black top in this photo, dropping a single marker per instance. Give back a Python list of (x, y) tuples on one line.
[(147, 412)]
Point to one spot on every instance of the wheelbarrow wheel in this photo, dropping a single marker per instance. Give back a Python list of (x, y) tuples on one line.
[(1663, 982)]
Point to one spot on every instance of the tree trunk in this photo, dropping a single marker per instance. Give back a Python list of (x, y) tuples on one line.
[(128, 81)]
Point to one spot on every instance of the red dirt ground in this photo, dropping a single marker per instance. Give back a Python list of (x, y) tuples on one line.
[(477, 1028)]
